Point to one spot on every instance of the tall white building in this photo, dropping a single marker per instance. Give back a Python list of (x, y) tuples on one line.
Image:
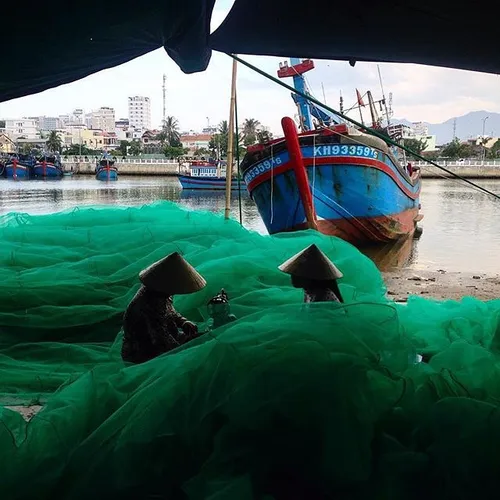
[(49, 123), (139, 112), (103, 119)]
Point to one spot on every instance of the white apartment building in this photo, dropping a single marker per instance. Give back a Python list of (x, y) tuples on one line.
[(418, 131), (139, 112), (49, 123), (420, 128), (102, 119), (22, 127)]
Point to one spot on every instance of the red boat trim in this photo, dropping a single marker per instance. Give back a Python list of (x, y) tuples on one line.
[(345, 160), (299, 167)]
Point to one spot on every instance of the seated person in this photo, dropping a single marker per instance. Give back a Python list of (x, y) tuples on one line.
[(151, 324), (313, 271)]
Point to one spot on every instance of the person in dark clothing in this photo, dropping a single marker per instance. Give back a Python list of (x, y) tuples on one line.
[(151, 325), (316, 274)]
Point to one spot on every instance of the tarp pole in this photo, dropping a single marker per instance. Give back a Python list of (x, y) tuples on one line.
[(229, 167)]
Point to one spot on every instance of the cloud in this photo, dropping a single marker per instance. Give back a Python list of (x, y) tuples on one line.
[(419, 92)]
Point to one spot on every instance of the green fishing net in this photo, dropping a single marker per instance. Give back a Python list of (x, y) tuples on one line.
[(287, 402)]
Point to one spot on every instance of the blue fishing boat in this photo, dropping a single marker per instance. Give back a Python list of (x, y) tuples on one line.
[(106, 170), (48, 166), (19, 166), (207, 175), (335, 178)]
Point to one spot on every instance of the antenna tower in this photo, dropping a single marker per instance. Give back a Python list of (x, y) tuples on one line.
[(454, 128), (164, 100)]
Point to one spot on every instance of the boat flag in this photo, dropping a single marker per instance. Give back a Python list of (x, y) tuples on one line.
[(360, 99)]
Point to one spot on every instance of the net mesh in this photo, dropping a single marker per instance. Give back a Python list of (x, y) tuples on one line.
[(285, 402)]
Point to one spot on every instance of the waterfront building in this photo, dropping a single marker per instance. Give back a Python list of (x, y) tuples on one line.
[(139, 112)]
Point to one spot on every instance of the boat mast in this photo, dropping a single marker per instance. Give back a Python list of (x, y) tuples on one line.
[(306, 108), (387, 114), (299, 83)]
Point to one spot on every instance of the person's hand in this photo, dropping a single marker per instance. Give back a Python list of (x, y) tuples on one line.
[(190, 329)]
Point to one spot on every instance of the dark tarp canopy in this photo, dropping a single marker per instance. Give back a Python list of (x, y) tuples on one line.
[(51, 44), (439, 32)]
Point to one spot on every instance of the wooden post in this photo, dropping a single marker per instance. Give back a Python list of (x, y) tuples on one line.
[(229, 168)]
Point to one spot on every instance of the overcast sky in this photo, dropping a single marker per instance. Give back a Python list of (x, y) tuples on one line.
[(420, 93)]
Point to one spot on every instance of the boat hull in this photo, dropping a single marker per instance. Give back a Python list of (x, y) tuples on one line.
[(17, 172), (107, 174), (207, 183), (358, 193), (47, 171)]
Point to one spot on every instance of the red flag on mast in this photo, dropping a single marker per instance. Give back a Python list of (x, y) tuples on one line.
[(360, 99)]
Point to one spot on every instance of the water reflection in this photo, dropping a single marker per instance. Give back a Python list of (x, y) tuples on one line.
[(461, 225), (393, 255)]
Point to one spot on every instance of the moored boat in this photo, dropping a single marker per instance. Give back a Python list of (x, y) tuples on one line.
[(106, 170), (336, 179), (48, 166), (19, 166), (207, 175)]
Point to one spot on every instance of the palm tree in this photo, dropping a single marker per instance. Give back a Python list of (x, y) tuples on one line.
[(249, 131), (264, 135), (170, 132), (54, 143)]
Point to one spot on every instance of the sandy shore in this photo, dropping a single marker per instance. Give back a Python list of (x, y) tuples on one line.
[(441, 285)]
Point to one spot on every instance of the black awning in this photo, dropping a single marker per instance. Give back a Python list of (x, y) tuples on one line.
[(49, 44), (439, 32)]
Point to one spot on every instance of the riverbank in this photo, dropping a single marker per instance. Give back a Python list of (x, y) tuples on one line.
[(441, 285)]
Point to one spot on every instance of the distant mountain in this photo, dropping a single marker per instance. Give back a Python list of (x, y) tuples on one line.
[(468, 126)]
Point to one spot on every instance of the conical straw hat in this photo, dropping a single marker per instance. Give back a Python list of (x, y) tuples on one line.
[(311, 263), (172, 275)]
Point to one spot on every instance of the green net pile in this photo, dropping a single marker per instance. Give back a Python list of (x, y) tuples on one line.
[(285, 403)]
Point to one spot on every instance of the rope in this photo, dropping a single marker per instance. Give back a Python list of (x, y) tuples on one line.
[(361, 126), (237, 156), (272, 184)]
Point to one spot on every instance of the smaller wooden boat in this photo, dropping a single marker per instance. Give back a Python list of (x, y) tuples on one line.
[(207, 175), (106, 170)]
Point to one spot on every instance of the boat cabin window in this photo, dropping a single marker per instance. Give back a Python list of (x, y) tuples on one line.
[(204, 171)]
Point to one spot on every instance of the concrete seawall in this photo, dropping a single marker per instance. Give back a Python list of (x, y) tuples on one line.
[(469, 170), (155, 169)]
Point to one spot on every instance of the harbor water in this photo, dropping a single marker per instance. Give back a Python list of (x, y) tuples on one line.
[(461, 230)]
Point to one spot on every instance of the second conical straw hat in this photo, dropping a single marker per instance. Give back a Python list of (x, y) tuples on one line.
[(311, 263), (172, 275)]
